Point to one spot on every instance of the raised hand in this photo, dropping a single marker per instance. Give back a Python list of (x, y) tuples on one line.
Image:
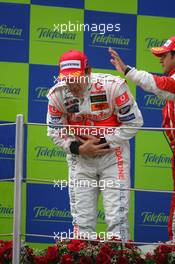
[(117, 61)]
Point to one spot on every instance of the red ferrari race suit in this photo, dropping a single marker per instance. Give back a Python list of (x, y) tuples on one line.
[(107, 102), (164, 87)]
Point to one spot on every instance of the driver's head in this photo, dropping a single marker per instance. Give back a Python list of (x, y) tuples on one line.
[(75, 71), (166, 53)]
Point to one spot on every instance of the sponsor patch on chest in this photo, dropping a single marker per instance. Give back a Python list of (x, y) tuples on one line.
[(99, 106), (98, 98)]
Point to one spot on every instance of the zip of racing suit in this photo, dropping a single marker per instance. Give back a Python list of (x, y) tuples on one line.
[(163, 86), (107, 102)]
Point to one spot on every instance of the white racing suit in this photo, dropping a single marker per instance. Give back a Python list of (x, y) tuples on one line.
[(107, 102), (163, 86)]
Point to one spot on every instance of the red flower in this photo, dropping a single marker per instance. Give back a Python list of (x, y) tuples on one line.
[(10, 256), (103, 258), (5, 250), (52, 253), (122, 260), (130, 244), (8, 245), (120, 252), (106, 250), (40, 260), (125, 253), (139, 260), (164, 249), (161, 259), (67, 259), (76, 245), (85, 260), (149, 256), (78, 241), (2, 250)]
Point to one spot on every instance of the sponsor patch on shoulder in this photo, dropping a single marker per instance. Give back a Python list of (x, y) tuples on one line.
[(122, 99), (125, 109), (54, 111), (127, 118)]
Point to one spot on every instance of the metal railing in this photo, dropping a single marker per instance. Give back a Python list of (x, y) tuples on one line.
[(18, 188)]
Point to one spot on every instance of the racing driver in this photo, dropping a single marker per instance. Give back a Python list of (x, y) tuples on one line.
[(163, 86), (104, 105)]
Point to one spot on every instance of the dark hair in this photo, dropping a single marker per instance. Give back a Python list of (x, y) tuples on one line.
[(172, 53), (88, 70)]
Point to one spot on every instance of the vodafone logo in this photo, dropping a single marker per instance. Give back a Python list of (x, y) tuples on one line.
[(122, 99), (54, 111), (98, 86)]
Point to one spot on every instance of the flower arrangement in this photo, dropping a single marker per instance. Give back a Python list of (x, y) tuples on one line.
[(89, 252)]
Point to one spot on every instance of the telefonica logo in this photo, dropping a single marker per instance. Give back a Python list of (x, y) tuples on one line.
[(7, 150), (4, 90), (156, 159), (153, 218), (46, 153), (100, 40), (151, 100), (45, 33), (41, 92), (154, 42), (6, 211), (10, 31), (42, 211)]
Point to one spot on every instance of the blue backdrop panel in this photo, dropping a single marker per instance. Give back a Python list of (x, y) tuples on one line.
[(14, 32), (40, 80), (48, 212), (7, 151), (156, 8), (96, 43), (150, 106), (151, 216), (64, 3)]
